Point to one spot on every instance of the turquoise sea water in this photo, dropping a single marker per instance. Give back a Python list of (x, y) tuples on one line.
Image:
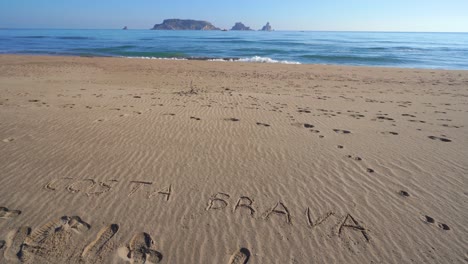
[(412, 50)]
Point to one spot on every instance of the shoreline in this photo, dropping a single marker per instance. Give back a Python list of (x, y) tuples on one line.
[(229, 61), (109, 160)]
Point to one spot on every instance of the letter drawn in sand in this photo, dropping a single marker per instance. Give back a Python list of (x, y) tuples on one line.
[(354, 225), (218, 201), (81, 185), (244, 202), (283, 210), (101, 188), (319, 220), (138, 185), (53, 184), (166, 191)]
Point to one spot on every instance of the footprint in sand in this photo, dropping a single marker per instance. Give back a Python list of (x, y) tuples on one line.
[(390, 133), (7, 140), (340, 131), (53, 236), (46, 230), (262, 124), (139, 250), (77, 225), (429, 220), (41, 240), (6, 213), (404, 193), (440, 138), (417, 121), (385, 118), (14, 252), (94, 249), (443, 226), (355, 158), (241, 256), (357, 116)]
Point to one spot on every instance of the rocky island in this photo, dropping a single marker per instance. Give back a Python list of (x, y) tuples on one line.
[(184, 24), (267, 27), (240, 26)]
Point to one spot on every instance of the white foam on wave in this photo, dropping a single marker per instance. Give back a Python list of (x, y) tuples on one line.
[(155, 58), (258, 59), (255, 59), (266, 60)]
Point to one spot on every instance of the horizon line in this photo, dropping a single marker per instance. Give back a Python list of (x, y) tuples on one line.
[(253, 30)]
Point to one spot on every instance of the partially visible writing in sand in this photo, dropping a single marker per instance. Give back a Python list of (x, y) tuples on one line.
[(223, 201), (219, 201), (92, 187)]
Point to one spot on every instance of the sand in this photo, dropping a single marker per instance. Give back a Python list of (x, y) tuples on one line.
[(113, 160)]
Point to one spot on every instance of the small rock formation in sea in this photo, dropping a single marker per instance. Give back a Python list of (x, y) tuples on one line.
[(267, 27), (184, 24), (240, 26), (125, 28)]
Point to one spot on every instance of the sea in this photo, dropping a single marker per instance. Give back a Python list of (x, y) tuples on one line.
[(386, 49)]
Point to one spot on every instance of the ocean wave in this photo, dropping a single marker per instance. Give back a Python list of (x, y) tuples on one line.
[(31, 37), (353, 59), (149, 54), (234, 41), (281, 43), (266, 60), (56, 37), (255, 59), (73, 37), (390, 49), (261, 51), (128, 51), (155, 58), (220, 38)]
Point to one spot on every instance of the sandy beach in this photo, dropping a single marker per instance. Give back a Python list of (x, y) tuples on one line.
[(113, 160)]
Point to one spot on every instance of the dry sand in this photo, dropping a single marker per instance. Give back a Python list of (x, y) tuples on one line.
[(125, 160)]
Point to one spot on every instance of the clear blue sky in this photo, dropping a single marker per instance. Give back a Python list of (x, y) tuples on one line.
[(365, 15)]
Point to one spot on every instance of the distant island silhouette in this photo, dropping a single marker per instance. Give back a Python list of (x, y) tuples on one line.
[(184, 24), (241, 27), (190, 24)]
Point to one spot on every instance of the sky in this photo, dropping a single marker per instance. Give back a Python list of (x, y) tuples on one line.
[(333, 15)]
